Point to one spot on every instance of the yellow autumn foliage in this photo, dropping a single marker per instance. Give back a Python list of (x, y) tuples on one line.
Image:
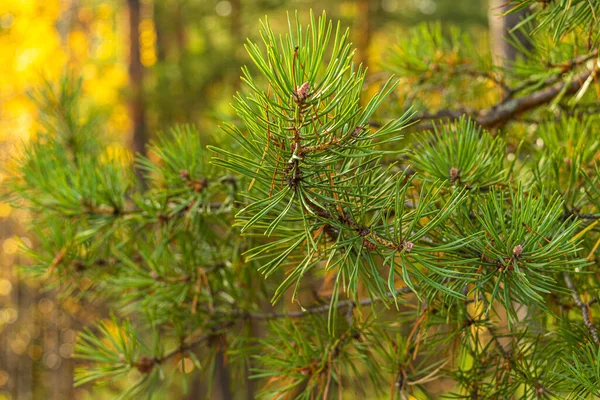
[(40, 40)]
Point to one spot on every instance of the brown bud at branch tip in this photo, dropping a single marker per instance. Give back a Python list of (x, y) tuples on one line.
[(518, 250), (145, 364), (302, 91)]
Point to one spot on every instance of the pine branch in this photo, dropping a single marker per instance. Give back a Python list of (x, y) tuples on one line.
[(319, 309), (506, 111), (587, 216), (585, 309), (510, 108), (187, 277), (322, 197), (191, 343), (564, 68), (578, 112), (505, 353), (146, 364)]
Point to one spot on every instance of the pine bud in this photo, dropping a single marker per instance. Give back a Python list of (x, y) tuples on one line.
[(540, 390), (357, 131), (198, 185), (302, 92), (408, 246), (145, 364), (454, 174), (517, 250), (184, 174)]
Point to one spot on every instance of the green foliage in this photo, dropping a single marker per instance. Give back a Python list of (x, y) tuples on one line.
[(115, 352), (458, 254), (524, 247), (566, 162), (563, 16), (462, 154), (316, 365), (451, 63)]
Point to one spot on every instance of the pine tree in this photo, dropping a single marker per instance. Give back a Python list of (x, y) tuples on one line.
[(331, 244)]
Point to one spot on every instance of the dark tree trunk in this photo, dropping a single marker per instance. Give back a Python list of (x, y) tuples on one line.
[(159, 26), (500, 32), (363, 30), (222, 383), (136, 80)]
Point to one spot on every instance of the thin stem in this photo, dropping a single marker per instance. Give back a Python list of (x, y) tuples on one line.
[(585, 309), (319, 309), (190, 343)]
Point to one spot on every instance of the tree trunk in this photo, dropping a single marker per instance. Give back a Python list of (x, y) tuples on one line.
[(136, 80), (503, 50), (222, 382), (162, 44), (363, 30)]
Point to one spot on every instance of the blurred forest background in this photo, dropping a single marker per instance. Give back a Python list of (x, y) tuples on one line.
[(146, 65)]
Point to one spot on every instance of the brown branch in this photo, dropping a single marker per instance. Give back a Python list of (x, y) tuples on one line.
[(587, 216), (191, 343), (564, 68), (187, 277), (510, 108), (319, 309), (58, 258), (576, 112), (570, 64), (441, 114), (499, 115), (146, 364), (505, 353), (585, 309)]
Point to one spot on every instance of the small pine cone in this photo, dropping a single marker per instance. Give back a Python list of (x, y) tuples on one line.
[(408, 246), (357, 131), (518, 250), (145, 364), (184, 174), (454, 174), (302, 92), (540, 390)]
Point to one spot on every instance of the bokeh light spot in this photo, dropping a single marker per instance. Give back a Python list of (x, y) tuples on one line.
[(52, 360), (10, 246), (5, 287), (3, 378), (223, 8)]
